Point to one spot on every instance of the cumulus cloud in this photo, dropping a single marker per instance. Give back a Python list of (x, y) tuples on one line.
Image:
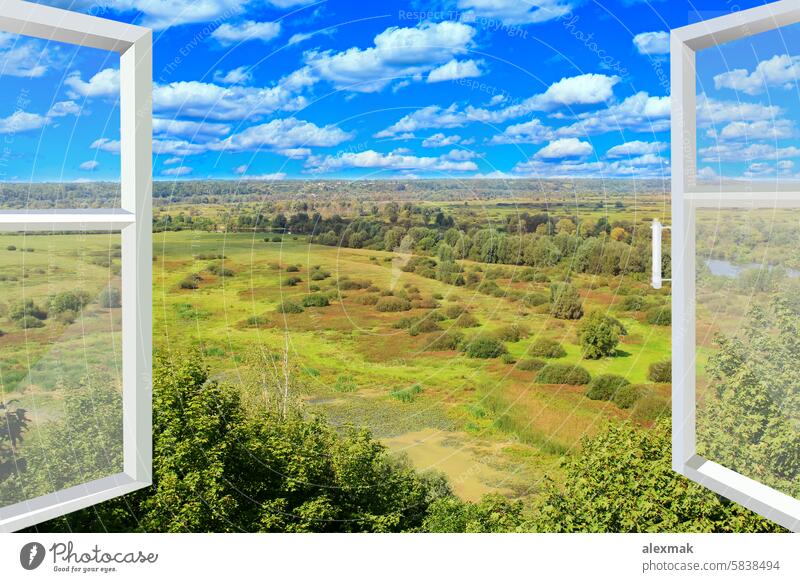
[(173, 160), (636, 148), (177, 171), (237, 76), (396, 160), (439, 140), (20, 121), (107, 145), (646, 166), (89, 165), (396, 53), (731, 152), (755, 130), (652, 43), (64, 108), (640, 112), (778, 71), (193, 129), (511, 12), (282, 134), (453, 70), (533, 131), (428, 117), (228, 34), (20, 57), (569, 147), (103, 84)]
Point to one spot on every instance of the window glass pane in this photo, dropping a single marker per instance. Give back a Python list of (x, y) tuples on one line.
[(747, 108), (748, 343), (60, 361), (59, 125)]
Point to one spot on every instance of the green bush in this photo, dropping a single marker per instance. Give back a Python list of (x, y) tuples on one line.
[(407, 394), (68, 301), (316, 300), (547, 348), (633, 303), (256, 321), (598, 335), (512, 333), (319, 275), (24, 309), (454, 310), (11, 248), (563, 374), (660, 371), (531, 365), (220, 271), (292, 269), (345, 384), (565, 303), (190, 281), (450, 340), (534, 299), (508, 359), (277, 239), (292, 281), (627, 395), (659, 316), (392, 304), (29, 322), (369, 299), (353, 284), (290, 307), (425, 325), (484, 346), (466, 320), (604, 387)]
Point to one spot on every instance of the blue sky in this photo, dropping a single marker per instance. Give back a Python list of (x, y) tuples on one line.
[(452, 89)]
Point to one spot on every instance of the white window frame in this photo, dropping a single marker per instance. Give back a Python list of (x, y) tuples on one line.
[(687, 197), (132, 219)]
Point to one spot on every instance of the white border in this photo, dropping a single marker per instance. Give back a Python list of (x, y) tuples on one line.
[(134, 219), (687, 196)]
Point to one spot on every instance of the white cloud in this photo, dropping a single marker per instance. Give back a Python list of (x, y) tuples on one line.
[(107, 145), (640, 113), (751, 131), (646, 166), (587, 89), (21, 121), (533, 131), (517, 11), (453, 70), (299, 37), (64, 108), (237, 76), (177, 171), (103, 84), (652, 43), (569, 147), (89, 165), (240, 169), (179, 147), (227, 34), (732, 152), (714, 112), (636, 148), (397, 53), (23, 58), (392, 161), (294, 153), (778, 71), (173, 160), (283, 134), (189, 128), (428, 117), (266, 177), (439, 140)]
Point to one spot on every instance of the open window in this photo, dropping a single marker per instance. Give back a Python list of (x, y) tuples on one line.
[(75, 356), (736, 257)]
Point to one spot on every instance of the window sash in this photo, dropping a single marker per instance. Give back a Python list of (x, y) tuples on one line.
[(133, 219)]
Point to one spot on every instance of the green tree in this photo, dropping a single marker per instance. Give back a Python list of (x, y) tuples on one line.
[(598, 335), (565, 303)]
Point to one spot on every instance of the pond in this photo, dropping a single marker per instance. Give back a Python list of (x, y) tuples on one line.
[(721, 268)]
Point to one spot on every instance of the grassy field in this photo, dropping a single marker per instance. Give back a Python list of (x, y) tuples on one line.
[(485, 423)]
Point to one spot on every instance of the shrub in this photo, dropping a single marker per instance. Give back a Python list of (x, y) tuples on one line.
[(277, 239), (547, 348), (369, 299), (25, 309), (565, 303), (392, 304), (598, 335), (220, 271), (11, 248), (29, 322), (190, 281), (407, 394), (453, 311), (531, 365), (313, 287), (425, 325), (316, 300), (290, 307), (256, 321), (438, 296), (292, 281), (345, 384), (659, 316), (563, 374), (353, 284), (534, 299), (450, 340), (209, 256), (484, 347), (466, 320), (626, 395), (604, 387), (292, 269), (424, 304), (651, 406), (319, 275), (68, 301), (512, 333), (633, 303), (508, 359), (660, 371), (405, 322)]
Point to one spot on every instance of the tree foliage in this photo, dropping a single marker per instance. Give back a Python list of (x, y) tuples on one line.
[(598, 335)]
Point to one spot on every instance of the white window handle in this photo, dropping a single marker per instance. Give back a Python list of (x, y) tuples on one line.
[(658, 228)]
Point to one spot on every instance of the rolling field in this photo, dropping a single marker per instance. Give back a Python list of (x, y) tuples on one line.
[(484, 422)]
